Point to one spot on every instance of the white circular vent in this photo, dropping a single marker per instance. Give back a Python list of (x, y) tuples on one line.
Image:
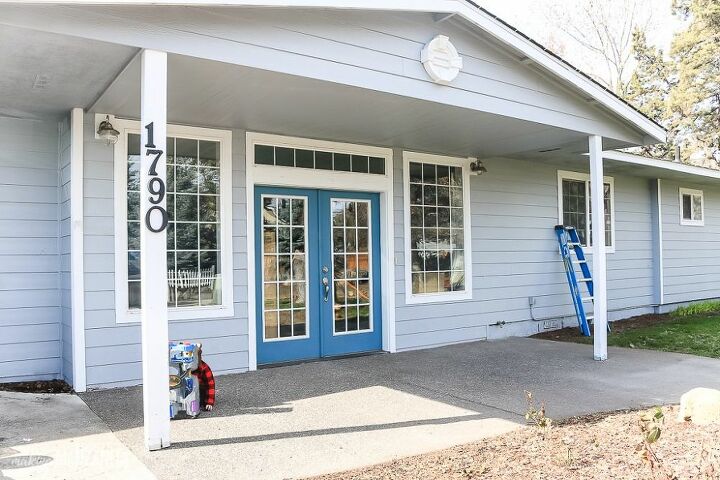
[(441, 60)]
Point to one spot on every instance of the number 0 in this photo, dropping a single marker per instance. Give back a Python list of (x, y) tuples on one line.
[(164, 217)]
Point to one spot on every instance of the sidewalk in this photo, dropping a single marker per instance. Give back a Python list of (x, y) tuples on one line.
[(44, 436)]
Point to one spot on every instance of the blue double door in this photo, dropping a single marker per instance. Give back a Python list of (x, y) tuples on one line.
[(317, 273)]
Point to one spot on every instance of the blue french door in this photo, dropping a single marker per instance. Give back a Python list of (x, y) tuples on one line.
[(317, 273)]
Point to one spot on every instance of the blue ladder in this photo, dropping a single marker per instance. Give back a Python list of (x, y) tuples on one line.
[(569, 244)]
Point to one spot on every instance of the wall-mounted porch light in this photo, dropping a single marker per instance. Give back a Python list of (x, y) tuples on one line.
[(107, 132), (477, 167)]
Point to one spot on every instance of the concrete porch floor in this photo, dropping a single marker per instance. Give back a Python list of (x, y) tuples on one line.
[(301, 420)]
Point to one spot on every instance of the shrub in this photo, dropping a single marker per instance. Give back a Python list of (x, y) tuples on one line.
[(698, 309)]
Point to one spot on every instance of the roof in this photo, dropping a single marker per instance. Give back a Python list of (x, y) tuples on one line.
[(480, 18), (668, 168), (558, 57)]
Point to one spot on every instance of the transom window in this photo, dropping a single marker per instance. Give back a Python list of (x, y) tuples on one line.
[(575, 206), (318, 160), (438, 235), (198, 256), (691, 207)]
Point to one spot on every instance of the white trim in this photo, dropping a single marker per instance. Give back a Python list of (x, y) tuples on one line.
[(329, 180), (122, 313), (579, 176), (77, 249), (661, 164), (599, 274), (444, 297), (661, 263), (692, 222), (479, 18)]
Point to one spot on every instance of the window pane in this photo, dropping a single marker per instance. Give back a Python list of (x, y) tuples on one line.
[(193, 260), (697, 207), (264, 155), (186, 151), (575, 206), (209, 153), (436, 229)]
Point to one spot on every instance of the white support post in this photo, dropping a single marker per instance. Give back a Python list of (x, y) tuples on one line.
[(153, 249), (599, 261), (77, 250)]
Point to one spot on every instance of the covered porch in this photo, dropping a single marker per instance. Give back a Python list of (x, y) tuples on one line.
[(233, 75), (323, 417)]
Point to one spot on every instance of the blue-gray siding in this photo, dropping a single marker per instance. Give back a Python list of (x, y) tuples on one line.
[(113, 350), (690, 253), (30, 336), (515, 256)]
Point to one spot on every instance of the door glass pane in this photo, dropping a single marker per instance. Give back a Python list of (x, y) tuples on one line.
[(352, 302), (284, 266)]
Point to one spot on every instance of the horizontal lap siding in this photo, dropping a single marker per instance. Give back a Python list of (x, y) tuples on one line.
[(30, 298), (113, 351), (372, 50), (691, 254), (515, 256)]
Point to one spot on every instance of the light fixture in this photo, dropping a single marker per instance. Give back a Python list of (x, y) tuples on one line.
[(477, 167), (107, 132)]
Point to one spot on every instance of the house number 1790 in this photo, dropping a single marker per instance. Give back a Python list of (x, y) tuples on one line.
[(156, 185)]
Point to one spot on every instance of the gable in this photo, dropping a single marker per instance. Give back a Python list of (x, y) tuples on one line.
[(372, 49)]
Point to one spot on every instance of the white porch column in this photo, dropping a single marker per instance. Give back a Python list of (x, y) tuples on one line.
[(599, 261), (153, 250)]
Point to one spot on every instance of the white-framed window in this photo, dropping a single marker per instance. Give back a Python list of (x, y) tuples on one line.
[(692, 205), (438, 263), (574, 206), (199, 233)]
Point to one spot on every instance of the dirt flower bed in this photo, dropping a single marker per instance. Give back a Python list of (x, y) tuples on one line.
[(39, 386), (594, 447)]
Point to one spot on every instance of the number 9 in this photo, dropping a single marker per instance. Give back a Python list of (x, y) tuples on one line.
[(156, 187)]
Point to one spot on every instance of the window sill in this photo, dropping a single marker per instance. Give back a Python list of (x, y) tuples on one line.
[(692, 223), (179, 314), (430, 298)]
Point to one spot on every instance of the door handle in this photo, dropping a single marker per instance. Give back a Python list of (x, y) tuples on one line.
[(326, 287)]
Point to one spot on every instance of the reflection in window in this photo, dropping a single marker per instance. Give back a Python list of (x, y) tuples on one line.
[(193, 233), (691, 207), (437, 232), (351, 265), (576, 209), (284, 269)]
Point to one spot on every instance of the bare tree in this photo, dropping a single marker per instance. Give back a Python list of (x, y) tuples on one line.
[(599, 34)]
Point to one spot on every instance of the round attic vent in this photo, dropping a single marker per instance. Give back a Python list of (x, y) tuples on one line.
[(441, 60)]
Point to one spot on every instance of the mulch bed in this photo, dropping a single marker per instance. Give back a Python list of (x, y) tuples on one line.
[(571, 334), (42, 386), (595, 447)]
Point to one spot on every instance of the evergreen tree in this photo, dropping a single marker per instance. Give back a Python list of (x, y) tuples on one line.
[(694, 102), (649, 89)]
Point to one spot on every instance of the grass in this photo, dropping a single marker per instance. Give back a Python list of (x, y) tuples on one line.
[(694, 329)]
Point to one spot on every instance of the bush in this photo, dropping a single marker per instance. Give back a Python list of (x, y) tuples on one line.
[(698, 309)]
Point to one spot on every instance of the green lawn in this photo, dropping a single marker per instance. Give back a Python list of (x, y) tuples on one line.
[(690, 330)]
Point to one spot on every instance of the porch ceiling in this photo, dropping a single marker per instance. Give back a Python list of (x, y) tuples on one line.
[(45, 74), (214, 94)]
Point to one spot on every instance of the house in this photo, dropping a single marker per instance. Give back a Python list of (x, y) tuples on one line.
[(341, 177)]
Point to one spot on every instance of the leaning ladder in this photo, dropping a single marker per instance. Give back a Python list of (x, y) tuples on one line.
[(569, 245)]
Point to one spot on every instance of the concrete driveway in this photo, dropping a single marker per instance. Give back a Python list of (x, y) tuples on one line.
[(301, 420)]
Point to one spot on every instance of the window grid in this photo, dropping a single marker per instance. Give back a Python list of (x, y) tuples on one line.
[(577, 209), (194, 275), (318, 160), (352, 264), (284, 267), (436, 228)]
